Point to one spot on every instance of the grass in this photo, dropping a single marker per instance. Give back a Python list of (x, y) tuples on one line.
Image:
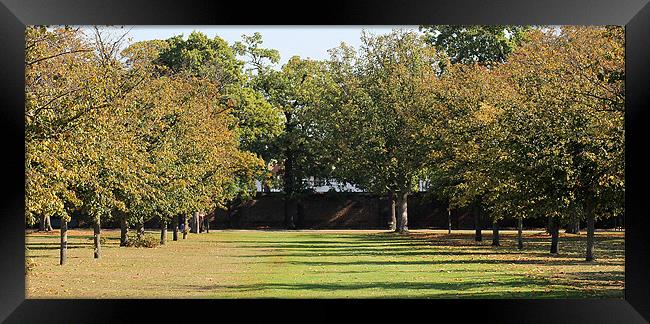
[(327, 264)]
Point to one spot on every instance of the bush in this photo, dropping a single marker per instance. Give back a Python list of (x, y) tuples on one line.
[(146, 241)]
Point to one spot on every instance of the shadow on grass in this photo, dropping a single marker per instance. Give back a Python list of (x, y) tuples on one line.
[(540, 294), (57, 247), (71, 245), (544, 262), (607, 278), (536, 288), (323, 286), (56, 236), (391, 253), (569, 251)]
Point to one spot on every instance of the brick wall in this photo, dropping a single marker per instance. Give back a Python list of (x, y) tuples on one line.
[(346, 210), (351, 210)]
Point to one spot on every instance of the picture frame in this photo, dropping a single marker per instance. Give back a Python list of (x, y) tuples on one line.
[(634, 14)]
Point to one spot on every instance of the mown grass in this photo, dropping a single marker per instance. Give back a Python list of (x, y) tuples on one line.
[(327, 264)]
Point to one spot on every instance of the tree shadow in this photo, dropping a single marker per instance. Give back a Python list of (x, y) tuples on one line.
[(54, 246), (387, 286), (567, 262)]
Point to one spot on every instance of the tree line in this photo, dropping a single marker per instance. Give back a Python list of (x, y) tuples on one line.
[(511, 121)]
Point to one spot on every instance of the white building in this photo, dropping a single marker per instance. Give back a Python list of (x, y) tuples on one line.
[(319, 185)]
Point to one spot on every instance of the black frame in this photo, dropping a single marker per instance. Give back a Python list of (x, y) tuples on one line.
[(634, 14)]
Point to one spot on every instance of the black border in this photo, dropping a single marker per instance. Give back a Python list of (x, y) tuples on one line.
[(634, 14)]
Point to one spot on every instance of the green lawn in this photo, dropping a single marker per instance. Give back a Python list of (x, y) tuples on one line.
[(327, 264)]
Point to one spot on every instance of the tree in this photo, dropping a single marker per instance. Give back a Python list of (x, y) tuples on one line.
[(468, 44), (486, 46), (556, 135), (66, 102), (460, 171), (580, 75), (50, 106), (256, 122), (193, 134), (294, 90), (370, 124), (110, 133)]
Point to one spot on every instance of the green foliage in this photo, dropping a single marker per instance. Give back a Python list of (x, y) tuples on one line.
[(257, 56), (369, 118), (294, 91), (473, 43), (67, 137), (256, 122), (201, 56)]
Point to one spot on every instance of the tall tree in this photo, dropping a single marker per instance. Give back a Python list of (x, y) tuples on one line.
[(577, 75), (257, 123), (67, 117), (294, 90), (467, 44), (371, 125)]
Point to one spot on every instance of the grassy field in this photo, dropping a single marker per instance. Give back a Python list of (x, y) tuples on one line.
[(327, 264)]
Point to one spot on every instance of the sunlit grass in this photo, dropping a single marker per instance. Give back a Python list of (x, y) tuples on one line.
[(327, 264)]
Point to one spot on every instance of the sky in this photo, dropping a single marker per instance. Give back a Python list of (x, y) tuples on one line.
[(304, 41)]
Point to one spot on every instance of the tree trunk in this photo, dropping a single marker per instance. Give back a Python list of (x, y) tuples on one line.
[(124, 230), (185, 225), (448, 221), (48, 224), (402, 213), (97, 233), (195, 223), (289, 177), (175, 228), (555, 233), (64, 241), (41, 224), (206, 221), (229, 213), (478, 237), (392, 223), (140, 230), (45, 224), (591, 220), (163, 230), (495, 233), (520, 228)]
